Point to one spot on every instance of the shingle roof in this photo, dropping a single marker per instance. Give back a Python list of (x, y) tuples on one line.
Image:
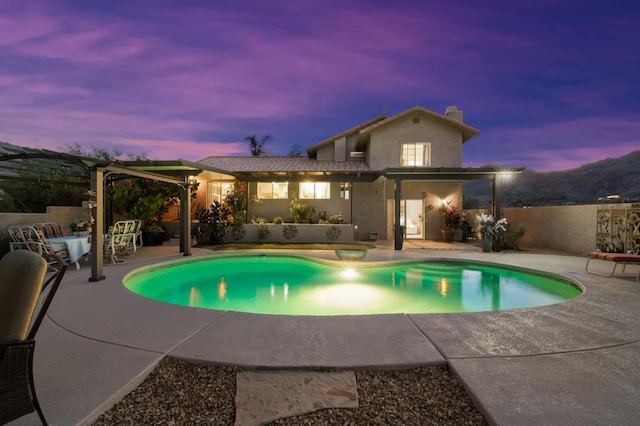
[(282, 164)]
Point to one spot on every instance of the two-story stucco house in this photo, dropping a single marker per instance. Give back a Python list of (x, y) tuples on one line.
[(356, 172)]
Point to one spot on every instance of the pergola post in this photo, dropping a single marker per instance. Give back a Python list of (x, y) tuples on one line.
[(97, 229), (397, 234), (495, 207), (185, 218)]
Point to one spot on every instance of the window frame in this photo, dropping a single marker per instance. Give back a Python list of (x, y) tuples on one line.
[(273, 191), (345, 190), (315, 190), (410, 159)]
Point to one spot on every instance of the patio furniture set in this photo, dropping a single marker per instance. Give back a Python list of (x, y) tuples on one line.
[(122, 239)]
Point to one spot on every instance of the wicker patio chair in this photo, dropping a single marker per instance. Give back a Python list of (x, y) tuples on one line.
[(23, 283)]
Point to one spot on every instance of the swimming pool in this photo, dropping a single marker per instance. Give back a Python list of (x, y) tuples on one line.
[(296, 285)]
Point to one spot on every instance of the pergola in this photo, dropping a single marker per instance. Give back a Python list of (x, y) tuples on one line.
[(36, 165), (402, 174)]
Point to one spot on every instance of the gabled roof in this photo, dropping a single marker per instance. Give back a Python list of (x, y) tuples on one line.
[(468, 132), (356, 129)]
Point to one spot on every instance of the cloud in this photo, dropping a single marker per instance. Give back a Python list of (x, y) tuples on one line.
[(533, 81)]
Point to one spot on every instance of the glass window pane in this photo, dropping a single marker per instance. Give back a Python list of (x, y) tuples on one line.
[(307, 190), (281, 190), (323, 190), (344, 190), (265, 190), (415, 154), (226, 188)]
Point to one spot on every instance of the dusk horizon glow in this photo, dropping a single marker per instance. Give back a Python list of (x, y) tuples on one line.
[(550, 86)]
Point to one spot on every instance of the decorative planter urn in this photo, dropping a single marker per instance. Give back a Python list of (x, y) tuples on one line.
[(486, 243)]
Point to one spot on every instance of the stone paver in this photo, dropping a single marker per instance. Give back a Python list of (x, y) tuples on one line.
[(264, 396)]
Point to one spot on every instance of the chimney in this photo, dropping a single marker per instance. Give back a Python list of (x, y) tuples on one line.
[(454, 113)]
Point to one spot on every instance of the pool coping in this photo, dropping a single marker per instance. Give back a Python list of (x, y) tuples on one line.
[(100, 340)]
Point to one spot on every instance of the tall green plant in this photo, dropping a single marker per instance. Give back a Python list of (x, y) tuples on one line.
[(223, 219), (300, 211), (143, 199)]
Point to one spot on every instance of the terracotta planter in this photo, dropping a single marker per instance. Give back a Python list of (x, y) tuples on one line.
[(447, 235)]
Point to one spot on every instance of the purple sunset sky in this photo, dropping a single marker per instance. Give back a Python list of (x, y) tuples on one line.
[(550, 87)]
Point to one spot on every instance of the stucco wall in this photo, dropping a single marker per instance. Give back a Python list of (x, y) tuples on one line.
[(368, 208), (565, 228), (370, 205), (61, 215), (446, 141), (268, 209), (325, 153)]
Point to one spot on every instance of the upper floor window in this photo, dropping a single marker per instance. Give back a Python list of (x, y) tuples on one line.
[(415, 154), (273, 190), (315, 190)]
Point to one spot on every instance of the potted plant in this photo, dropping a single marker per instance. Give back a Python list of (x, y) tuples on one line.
[(489, 229), (153, 235), (81, 228), (452, 220)]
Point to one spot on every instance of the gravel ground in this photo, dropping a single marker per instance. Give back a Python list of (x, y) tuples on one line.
[(179, 392)]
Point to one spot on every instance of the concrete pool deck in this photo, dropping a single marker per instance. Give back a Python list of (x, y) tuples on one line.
[(570, 363)]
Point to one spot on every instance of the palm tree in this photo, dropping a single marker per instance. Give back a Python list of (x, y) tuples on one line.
[(255, 145)]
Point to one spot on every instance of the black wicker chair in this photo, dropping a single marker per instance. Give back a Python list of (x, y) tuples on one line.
[(25, 277)]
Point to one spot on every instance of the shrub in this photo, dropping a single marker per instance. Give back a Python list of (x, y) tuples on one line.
[(509, 239), (237, 231), (300, 211), (336, 219), (222, 219), (278, 220), (263, 232)]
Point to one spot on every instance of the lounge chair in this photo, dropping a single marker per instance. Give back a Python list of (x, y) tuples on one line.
[(23, 282), (632, 257)]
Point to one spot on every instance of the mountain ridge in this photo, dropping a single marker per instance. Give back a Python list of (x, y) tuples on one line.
[(588, 184)]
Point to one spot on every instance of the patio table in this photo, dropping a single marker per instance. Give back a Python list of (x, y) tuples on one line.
[(77, 247)]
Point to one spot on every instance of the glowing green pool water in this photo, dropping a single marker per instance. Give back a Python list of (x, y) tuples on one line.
[(285, 285)]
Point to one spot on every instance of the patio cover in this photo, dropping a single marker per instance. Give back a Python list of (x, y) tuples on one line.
[(39, 165)]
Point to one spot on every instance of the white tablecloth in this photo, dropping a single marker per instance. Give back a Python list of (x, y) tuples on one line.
[(77, 247)]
